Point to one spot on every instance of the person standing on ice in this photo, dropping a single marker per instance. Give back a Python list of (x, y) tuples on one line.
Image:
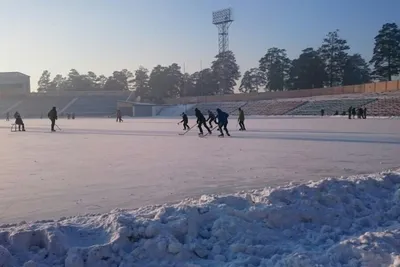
[(19, 122), (349, 111), (201, 121), (241, 120), (53, 117), (119, 116), (185, 121), (8, 116), (211, 118), (222, 118)]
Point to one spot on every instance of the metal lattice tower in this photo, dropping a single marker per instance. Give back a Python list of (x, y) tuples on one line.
[(223, 19)]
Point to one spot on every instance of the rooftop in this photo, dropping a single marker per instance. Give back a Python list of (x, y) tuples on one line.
[(13, 73)]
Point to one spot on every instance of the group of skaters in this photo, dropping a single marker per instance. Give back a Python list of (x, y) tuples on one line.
[(52, 115), (220, 120), (70, 116), (352, 112), (360, 112)]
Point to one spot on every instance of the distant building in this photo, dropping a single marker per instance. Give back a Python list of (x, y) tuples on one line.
[(14, 83)]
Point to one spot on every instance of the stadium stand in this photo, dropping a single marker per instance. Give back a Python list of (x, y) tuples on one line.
[(35, 106), (313, 108), (388, 106), (229, 107), (270, 107), (8, 104), (175, 110), (96, 105)]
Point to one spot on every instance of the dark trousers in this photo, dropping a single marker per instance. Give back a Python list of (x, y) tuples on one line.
[(53, 123), (242, 127), (211, 121), (203, 123), (223, 126), (20, 123), (185, 125)]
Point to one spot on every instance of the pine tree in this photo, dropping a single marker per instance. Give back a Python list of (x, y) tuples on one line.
[(334, 54), (386, 55)]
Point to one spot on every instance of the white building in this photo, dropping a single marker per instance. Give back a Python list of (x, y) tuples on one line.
[(14, 83)]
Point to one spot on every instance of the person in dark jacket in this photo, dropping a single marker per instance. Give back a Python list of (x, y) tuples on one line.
[(354, 113), (185, 121), (53, 117), (201, 121), (119, 116), (241, 120), (211, 118), (222, 118), (360, 112), (19, 122), (364, 113), (349, 111)]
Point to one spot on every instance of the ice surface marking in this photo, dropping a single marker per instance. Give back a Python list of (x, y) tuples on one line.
[(334, 222)]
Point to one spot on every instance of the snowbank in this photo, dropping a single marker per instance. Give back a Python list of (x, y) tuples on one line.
[(333, 222)]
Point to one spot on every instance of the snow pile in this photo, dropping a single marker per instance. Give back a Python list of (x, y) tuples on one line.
[(333, 222)]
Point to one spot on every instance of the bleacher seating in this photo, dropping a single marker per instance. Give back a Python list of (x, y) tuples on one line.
[(384, 107), (175, 110), (7, 103), (35, 106), (229, 107), (313, 108), (271, 107), (96, 105)]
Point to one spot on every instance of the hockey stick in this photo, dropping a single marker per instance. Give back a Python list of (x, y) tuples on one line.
[(58, 127), (187, 130)]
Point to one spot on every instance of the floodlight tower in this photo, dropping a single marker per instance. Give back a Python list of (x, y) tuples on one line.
[(223, 19)]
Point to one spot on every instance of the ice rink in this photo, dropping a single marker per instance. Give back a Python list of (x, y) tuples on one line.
[(95, 165)]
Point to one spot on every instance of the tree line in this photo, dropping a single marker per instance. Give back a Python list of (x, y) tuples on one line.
[(329, 65)]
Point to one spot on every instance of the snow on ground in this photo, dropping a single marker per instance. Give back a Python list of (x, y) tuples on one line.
[(96, 165), (333, 222)]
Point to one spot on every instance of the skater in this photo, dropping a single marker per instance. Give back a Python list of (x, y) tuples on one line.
[(73, 116), (350, 110), (353, 112), (19, 122), (119, 116), (185, 121), (201, 120), (241, 120), (322, 112), (53, 117), (7, 116), (222, 122), (211, 118), (68, 116), (364, 113), (360, 112)]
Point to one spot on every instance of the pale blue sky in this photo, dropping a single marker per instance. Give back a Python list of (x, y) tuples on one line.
[(108, 35)]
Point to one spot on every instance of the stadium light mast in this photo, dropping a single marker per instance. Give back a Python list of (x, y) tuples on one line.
[(223, 19)]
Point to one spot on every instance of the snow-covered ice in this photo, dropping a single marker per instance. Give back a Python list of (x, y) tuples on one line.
[(96, 165)]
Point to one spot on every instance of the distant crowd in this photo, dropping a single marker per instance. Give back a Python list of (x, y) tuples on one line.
[(352, 112)]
